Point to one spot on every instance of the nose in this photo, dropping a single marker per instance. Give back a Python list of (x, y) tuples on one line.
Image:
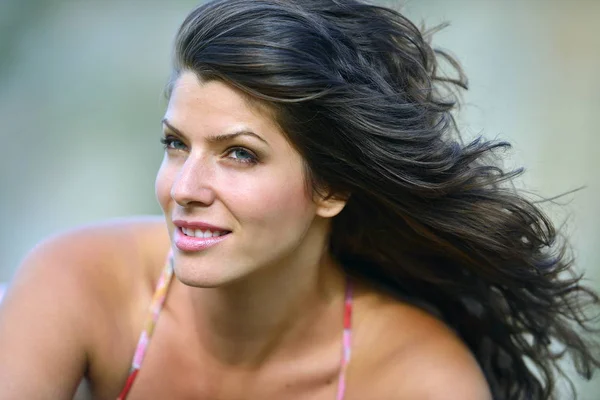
[(192, 184)]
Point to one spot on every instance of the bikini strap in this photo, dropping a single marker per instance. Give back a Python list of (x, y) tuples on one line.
[(346, 340), (157, 304), (158, 299)]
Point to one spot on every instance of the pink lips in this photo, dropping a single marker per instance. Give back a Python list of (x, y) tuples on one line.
[(195, 244)]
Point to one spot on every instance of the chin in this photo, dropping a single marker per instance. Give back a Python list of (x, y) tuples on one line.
[(203, 273)]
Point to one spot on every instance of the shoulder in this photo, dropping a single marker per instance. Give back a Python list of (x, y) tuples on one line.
[(103, 242), (85, 285), (414, 355), (436, 367), (99, 252), (99, 264)]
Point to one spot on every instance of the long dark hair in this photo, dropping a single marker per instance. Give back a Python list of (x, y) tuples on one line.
[(356, 88)]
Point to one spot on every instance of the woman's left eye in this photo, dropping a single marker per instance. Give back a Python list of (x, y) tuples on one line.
[(239, 154)]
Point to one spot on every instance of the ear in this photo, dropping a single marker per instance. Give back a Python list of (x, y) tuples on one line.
[(330, 205)]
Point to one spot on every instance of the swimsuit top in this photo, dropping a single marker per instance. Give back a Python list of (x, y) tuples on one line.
[(156, 306)]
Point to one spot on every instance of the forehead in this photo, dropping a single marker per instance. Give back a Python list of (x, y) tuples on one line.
[(215, 104)]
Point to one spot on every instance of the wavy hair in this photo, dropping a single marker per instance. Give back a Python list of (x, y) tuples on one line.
[(357, 89)]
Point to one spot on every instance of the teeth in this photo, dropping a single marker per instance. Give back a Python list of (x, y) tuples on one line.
[(200, 233)]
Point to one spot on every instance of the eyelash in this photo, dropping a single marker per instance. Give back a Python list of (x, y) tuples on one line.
[(252, 159), (168, 141)]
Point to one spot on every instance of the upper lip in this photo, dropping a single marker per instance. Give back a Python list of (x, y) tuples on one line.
[(198, 225)]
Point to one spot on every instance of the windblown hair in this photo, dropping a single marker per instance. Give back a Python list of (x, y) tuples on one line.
[(357, 89)]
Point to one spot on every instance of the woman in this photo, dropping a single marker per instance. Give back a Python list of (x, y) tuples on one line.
[(325, 236)]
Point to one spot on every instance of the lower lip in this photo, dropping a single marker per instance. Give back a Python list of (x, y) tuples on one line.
[(193, 244)]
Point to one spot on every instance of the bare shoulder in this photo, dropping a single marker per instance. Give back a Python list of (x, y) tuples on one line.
[(436, 366), (104, 265), (67, 292), (414, 355), (99, 252)]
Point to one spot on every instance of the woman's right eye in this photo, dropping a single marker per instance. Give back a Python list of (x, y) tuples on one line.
[(172, 143)]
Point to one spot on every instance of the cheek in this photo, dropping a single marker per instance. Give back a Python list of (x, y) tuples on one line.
[(289, 199), (162, 186), (278, 198)]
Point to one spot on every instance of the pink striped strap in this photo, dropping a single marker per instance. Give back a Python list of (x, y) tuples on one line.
[(346, 341)]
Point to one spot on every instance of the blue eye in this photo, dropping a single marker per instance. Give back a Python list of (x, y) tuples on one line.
[(242, 155), (170, 143)]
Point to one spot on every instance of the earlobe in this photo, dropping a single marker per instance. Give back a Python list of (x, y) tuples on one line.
[(330, 206)]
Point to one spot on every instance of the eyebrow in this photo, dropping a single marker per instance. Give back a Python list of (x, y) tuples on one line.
[(217, 138)]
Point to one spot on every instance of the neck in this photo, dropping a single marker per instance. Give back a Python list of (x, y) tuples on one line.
[(277, 311)]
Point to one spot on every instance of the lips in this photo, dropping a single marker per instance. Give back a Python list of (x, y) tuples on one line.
[(199, 233), (198, 225), (197, 236)]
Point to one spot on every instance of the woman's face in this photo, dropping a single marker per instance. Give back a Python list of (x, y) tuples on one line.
[(232, 188)]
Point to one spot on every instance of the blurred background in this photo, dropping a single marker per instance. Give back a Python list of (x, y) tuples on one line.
[(81, 101)]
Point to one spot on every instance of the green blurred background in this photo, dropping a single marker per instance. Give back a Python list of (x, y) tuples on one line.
[(81, 101)]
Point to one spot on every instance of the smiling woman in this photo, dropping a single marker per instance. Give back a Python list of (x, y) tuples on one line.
[(326, 235), (225, 155)]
